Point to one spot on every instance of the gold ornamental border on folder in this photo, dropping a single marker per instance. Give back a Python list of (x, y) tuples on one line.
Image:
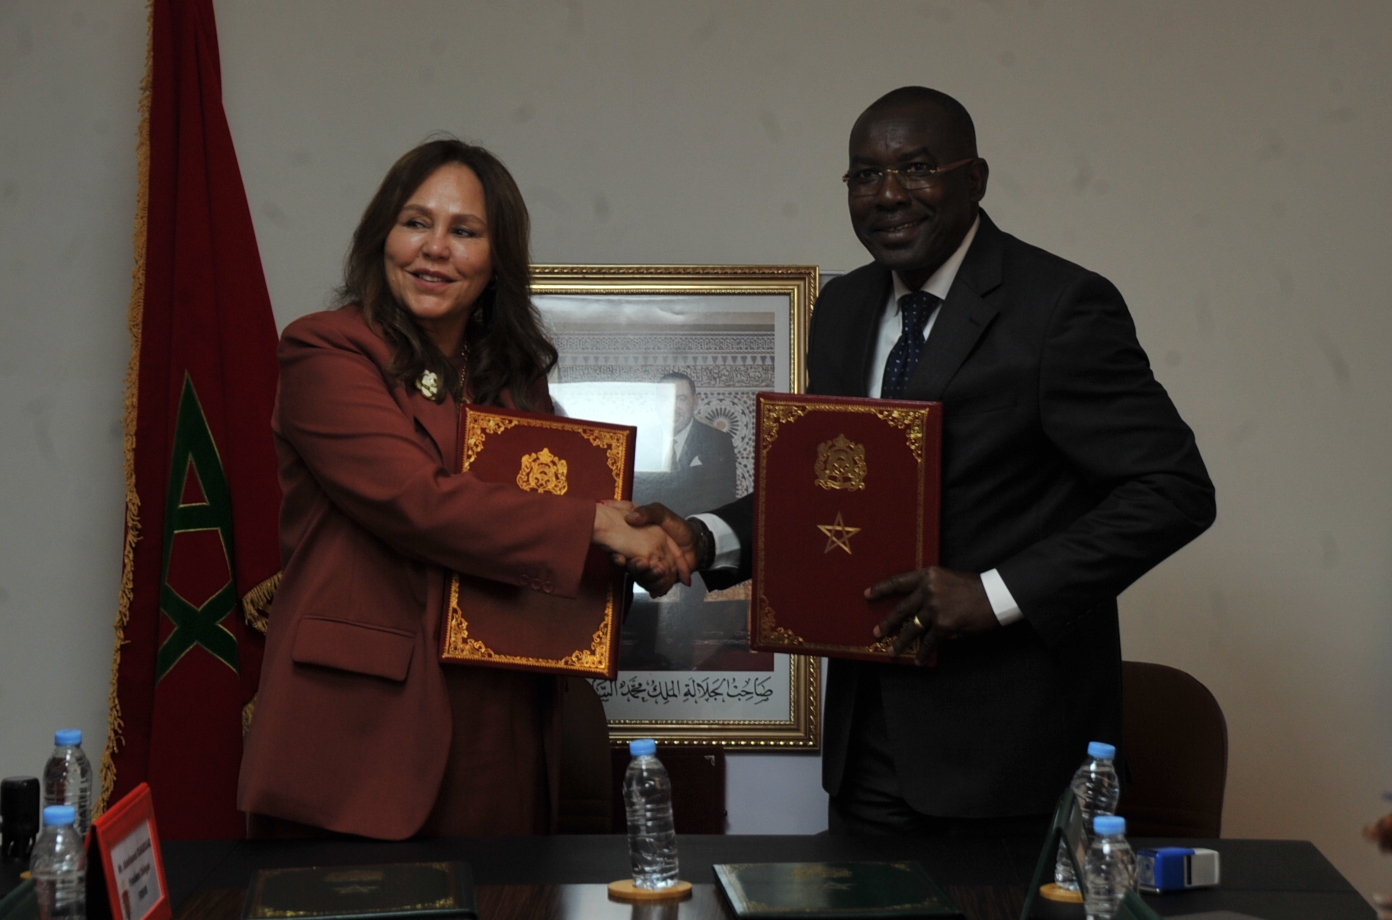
[(458, 645), (776, 414), (350, 874)]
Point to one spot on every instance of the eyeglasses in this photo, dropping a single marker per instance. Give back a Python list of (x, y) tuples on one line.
[(865, 182)]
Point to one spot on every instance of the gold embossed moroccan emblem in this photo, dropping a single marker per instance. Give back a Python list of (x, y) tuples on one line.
[(543, 472), (840, 464)]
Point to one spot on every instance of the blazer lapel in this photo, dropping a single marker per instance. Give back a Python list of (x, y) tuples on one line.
[(695, 440), (963, 318), (440, 421)]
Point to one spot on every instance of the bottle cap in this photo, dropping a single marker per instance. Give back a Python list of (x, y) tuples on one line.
[(640, 747), (59, 815), (1101, 750), (68, 737), (1107, 825)]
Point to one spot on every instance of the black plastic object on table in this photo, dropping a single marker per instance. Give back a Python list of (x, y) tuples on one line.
[(19, 817)]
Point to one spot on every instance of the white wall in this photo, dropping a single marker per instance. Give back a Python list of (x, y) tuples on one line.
[(69, 84), (1224, 164)]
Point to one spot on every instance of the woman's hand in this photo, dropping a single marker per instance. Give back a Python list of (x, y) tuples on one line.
[(648, 548), (678, 530)]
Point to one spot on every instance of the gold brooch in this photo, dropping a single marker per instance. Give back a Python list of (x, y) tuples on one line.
[(840, 464), (429, 384), (543, 472)]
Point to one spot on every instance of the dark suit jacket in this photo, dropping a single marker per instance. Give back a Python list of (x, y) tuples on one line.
[(1066, 467), (702, 477), (709, 447), (353, 723)]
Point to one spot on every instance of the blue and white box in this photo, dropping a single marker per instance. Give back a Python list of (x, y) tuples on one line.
[(1166, 869)]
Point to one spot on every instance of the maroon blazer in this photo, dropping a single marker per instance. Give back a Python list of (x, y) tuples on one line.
[(352, 723)]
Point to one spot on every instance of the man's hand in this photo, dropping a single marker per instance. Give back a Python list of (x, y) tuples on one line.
[(683, 538), (941, 605), (643, 549)]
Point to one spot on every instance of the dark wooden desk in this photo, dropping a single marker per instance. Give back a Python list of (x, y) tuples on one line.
[(564, 877), (592, 902)]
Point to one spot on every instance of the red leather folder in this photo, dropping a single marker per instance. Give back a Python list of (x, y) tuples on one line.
[(492, 624), (846, 494)]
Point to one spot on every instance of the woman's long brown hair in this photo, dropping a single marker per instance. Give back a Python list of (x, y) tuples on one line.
[(507, 348)]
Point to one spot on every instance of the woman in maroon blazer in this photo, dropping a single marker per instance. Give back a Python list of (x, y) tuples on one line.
[(358, 728)]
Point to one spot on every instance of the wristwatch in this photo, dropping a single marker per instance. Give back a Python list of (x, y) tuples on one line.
[(705, 544)]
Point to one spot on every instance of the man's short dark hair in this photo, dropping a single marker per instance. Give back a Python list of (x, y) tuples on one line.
[(959, 119), (673, 376)]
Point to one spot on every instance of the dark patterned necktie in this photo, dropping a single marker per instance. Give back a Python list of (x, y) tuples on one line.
[(915, 309)]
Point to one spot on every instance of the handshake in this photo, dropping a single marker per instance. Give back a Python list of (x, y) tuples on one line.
[(657, 547)]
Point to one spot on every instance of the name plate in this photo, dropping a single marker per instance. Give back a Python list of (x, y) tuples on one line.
[(125, 868)]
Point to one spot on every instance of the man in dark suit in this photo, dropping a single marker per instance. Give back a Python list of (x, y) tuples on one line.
[(703, 459), (1066, 471)]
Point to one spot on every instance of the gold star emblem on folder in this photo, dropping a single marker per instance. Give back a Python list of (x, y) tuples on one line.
[(838, 534)]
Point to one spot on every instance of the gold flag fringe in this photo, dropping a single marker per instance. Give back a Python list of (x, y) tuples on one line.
[(256, 605), (248, 713), (115, 738)]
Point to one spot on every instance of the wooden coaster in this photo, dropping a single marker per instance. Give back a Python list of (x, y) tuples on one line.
[(625, 890), (1053, 892)]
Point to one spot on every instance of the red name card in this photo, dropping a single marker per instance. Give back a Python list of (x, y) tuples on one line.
[(499, 625), (846, 494), (125, 869)]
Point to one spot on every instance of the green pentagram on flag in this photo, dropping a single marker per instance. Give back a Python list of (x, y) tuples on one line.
[(196, 452)]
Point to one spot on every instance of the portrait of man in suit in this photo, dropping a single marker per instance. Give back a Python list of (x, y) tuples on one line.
[(669, 372), (701, 472), (1066, 472), (687, 629)]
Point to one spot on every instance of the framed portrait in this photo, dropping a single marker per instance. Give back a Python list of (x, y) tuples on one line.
[(680, 352)]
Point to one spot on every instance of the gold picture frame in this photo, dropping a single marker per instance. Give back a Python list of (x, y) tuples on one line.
[(729, 331)]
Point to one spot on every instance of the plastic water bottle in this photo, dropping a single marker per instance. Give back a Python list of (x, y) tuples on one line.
[(59, 866), (652, 837), (1111, 868), (67, 778), (1097, 790)]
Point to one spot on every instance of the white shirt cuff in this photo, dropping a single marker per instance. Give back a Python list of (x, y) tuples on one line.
[(1007, 611), (727, 545)]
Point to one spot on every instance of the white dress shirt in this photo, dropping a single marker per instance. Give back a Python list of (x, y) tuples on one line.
[(727, 545)]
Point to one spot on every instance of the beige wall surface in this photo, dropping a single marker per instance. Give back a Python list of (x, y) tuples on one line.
[(1223, 163)]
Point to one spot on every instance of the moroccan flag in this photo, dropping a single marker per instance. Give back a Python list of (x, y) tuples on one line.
[(201, 556)]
